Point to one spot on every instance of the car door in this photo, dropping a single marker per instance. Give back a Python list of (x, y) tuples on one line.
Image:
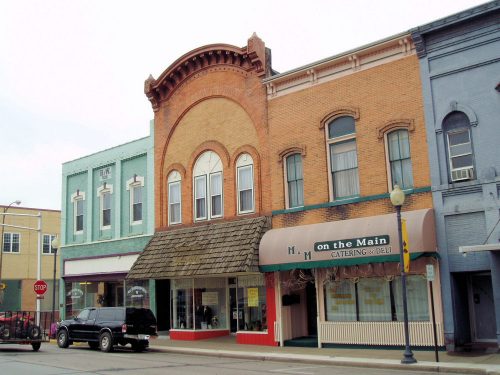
[(77, 328), (90, 327)]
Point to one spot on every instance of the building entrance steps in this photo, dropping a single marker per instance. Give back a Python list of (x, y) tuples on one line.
[(465, 362)]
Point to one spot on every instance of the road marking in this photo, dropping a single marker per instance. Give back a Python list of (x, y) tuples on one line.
[(296, 370)]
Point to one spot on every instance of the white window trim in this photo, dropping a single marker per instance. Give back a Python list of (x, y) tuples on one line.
[(196, 218), (285, 175), (330, 141), (11, 235), (390, 187), (105, 188), (75, 197), (209, 191), (51, 236), (239, 190), (170, 184), (131, 184), (455, 131)]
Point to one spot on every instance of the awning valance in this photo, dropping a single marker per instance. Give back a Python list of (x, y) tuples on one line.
[(346, 242), (212, 249)]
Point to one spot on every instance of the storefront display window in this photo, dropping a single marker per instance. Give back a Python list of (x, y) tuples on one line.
[(137, 293), (418, 305), (254, 311), (341, 301), (210, 303), (376, 299), (182, 304)]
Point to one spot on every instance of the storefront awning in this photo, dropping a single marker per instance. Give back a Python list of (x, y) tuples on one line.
[(346, 242), (212, 249)]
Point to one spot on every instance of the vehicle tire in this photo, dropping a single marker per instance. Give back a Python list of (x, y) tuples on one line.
[(93, 345), (62, 338), (138, 346), (106, 342), (36, 346), (34, 332), (4, 332)]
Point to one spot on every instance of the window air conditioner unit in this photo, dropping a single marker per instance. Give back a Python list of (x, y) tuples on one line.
[(462, 174)]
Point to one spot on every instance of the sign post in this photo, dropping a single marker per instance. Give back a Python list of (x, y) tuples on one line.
[(430, 278), (40, 287)]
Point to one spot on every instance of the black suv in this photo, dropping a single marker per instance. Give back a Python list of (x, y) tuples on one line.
[(105, 327)]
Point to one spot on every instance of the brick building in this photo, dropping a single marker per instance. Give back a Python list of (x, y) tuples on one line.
[(343, 132)]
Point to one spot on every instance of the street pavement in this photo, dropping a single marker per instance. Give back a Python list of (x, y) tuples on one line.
[(462, 363)]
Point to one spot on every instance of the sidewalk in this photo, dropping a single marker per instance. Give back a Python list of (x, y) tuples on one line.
[(459, 363)]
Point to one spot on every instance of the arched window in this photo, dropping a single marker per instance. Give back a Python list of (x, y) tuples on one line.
[(398, 149), (343, 159), (294, 181), (207, 183), (244, 171), (456, 127), (174, 198), (136, 187)]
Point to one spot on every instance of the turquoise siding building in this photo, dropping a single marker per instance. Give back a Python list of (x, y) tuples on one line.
[(107, 220)]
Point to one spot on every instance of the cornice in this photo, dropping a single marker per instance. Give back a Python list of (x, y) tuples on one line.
[(341, 65), (251, 58)]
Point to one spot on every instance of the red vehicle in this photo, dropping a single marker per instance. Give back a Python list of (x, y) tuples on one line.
[(19, 327)]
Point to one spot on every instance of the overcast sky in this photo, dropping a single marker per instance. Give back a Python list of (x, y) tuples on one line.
[(72, 72)]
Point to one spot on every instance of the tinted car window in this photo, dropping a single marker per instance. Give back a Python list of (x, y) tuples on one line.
[(84, 314), (111, 314)]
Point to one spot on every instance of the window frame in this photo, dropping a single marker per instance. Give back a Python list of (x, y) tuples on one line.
[(171, 185), (51, 250), (132, 184), (287, 181), (78, 198), (207, 167), (11, 242), (390, 179), (101, 192), (245, 161), (448, 150), (338, 140)]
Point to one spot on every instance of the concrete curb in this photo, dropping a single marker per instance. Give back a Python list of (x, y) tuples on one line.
[(443, 367)]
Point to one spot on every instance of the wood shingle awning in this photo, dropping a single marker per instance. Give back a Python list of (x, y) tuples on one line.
[(212, 249)]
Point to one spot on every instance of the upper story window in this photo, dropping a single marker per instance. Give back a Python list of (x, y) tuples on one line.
[(343, 159), (47, 244), (104, 195), (136, 188), (174, 198), (244, 168), (398, 148), (459, 146), (78, 200), (11, 242), (294, 181), (207, 175)]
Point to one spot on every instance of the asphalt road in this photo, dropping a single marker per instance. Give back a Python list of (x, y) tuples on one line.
[(51, 360)]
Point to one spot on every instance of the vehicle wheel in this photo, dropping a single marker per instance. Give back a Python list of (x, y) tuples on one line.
[(34, 332), (138, 347), (4, 332), (93, 345), (36, 346), (62, 338), (106, 342)]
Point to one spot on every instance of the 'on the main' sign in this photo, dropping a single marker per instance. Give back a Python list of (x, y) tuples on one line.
[(352, 243)]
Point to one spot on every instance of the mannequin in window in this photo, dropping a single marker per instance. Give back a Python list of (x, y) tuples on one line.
[(207, 315)]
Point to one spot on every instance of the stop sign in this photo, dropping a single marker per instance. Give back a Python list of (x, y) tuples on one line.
[(40, 287)]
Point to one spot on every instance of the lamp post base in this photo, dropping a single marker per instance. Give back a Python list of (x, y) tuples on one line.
[(408, 357)]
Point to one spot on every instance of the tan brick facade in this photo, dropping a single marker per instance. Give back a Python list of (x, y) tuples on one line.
[(379, 98), (220, 106)]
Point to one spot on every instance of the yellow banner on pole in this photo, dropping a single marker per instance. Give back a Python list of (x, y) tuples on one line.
[(406, 246)]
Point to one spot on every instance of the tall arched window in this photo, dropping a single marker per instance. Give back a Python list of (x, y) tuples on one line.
[(244, 172), (456, 127), (294, 181), (174, 198), (207, 183), (343, 159), (104, 193), (398, 148)]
